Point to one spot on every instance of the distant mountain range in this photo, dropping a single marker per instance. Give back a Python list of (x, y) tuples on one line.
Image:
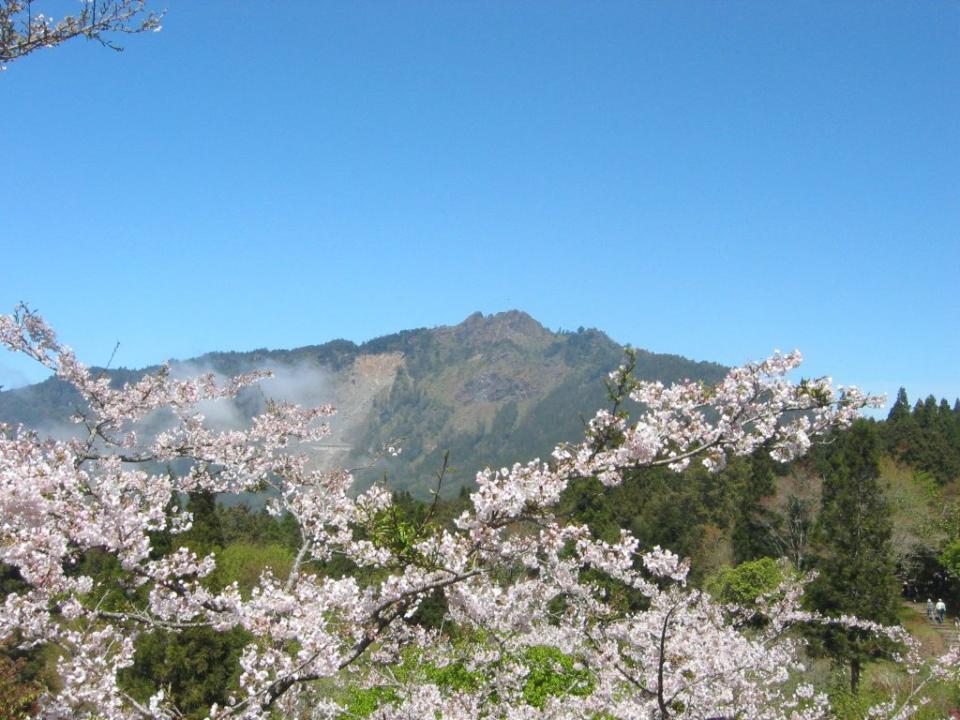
[(491, 391)]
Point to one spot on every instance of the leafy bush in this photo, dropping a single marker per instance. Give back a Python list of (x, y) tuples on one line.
[(743, 584)]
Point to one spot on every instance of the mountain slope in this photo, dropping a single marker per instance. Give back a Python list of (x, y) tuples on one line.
[(491, 390)]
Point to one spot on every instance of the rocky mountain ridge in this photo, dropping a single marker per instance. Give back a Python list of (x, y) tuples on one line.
[(491, 390)]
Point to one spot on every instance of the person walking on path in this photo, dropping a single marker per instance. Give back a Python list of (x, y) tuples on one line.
[(929, 609), (941, 610)]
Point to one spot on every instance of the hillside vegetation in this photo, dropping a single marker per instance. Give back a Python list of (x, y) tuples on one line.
[(874, 509), (494, 389)]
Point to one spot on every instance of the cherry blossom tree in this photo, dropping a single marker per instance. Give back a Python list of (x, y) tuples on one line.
[(519, 583), (25, 28)]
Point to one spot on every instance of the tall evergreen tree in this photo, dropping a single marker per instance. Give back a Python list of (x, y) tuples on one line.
[(856, 563), (926, 437), (206, 533), (900, 410), (901, 432), (956, 425), (751, 530)]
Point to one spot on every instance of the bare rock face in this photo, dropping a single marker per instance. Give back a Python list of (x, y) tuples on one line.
[(493, 387), (352, 393)]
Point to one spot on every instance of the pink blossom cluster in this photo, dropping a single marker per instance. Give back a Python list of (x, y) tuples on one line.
[(514, 575)]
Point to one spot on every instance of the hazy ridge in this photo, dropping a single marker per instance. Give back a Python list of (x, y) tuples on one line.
[(491, 390)]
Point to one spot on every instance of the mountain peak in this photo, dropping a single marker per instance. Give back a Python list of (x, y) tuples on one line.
[(515, 326), (491, 389)]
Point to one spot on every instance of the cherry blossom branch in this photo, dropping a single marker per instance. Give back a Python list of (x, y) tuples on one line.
[(500, 568), (23, 32)]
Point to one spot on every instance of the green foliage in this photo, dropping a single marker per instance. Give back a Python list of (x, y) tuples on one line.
[(195, 667), (552, 674), (241, 524), (395, 529), (454, 676), (113, 589), (926, 437), (244, 563), (754, 479), (856, 564), (660, 507), (199, 666), (950, 558), (743, 584), (363, 702), (432, 611), (18, 695), (492, 391), (849, 705), (11, 580), (206, 533)]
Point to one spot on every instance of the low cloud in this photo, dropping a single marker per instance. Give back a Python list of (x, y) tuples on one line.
[(11, 378), (302, 383)]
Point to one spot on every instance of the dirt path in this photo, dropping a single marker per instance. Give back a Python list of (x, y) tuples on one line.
[(933, 637)]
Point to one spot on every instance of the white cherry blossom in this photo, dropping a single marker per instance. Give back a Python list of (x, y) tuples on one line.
[(684, 656)]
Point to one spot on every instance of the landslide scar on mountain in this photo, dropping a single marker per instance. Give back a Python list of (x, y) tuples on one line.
[(354, 389)]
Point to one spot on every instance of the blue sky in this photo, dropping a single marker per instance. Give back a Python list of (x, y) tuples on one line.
[(714, 179)]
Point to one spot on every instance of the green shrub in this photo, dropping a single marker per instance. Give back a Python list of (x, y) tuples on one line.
[(743, 584), (553, 673), (950, 558), (362, 702)]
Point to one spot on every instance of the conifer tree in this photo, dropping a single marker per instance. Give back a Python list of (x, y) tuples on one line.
[(206, 534), (901, 432), (856, 563), (751, 530), (900, 410)]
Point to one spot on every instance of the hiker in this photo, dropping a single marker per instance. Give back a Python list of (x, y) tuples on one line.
[(929, 609), (941, 610)]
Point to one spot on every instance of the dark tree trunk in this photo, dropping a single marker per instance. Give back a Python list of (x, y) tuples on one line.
[(854, 674)]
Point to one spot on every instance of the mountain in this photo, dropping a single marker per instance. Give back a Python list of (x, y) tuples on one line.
[(492, 390)]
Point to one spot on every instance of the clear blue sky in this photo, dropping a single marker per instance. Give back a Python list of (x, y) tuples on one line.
[(715, 179)]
